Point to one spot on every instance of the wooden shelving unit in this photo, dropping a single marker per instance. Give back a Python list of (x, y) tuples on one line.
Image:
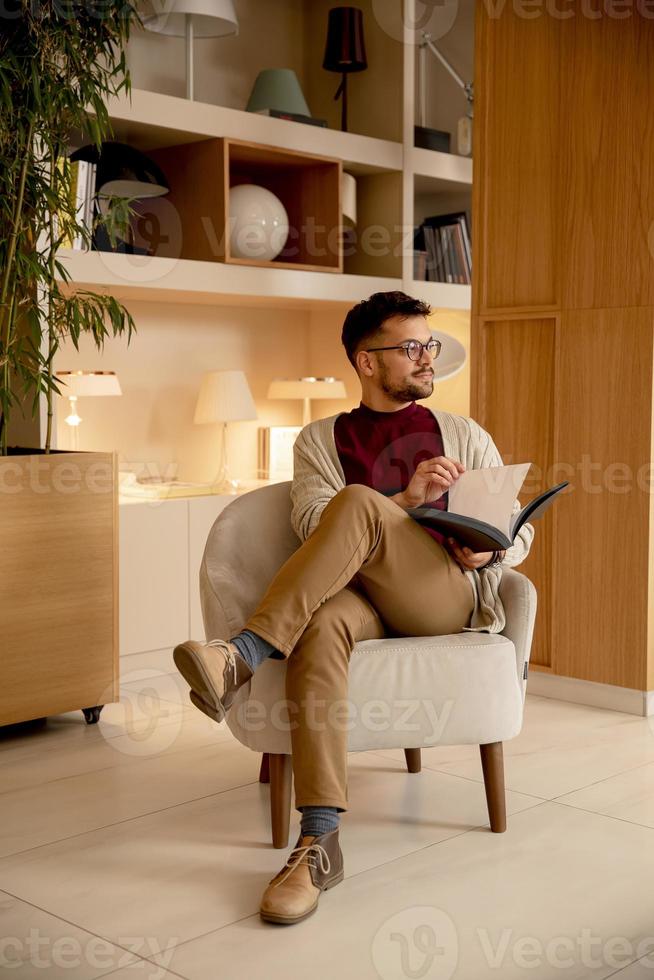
[(397, 185), (389, 176)]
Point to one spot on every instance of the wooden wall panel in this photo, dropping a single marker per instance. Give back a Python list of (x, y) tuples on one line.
[(514, 361), (602, 540), (650, 566), (563, 211), (515, 187), (607, 178)]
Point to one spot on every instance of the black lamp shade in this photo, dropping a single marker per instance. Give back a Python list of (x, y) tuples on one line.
[(345, 50), (123, 171)]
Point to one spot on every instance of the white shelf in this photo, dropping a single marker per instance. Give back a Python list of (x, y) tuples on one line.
[(151, 120), (445, 295), (215, 283), (434, 172), (153, 279)]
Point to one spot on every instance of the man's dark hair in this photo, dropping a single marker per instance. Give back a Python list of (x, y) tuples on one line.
[(364, 320)]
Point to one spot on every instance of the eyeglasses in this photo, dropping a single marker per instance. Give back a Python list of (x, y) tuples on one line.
[(414, 349)]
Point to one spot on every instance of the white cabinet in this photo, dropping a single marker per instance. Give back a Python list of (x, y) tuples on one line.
[(202, 513), (161, 548), (153, 607)]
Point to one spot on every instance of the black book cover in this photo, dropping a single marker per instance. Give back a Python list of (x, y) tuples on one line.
[(479, 535)]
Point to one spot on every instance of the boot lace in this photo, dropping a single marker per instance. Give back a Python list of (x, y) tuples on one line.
[(230, 657), (306, 855)]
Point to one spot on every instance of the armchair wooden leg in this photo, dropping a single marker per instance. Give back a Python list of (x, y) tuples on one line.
[(492, 764), (281, 778), (413, 761), (264, 771)]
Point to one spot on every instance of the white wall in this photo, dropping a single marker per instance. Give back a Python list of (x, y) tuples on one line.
[(152, 423)]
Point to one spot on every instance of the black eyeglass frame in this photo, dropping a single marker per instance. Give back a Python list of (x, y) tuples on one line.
[(421, 346)]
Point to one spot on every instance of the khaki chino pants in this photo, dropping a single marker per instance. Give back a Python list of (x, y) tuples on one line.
[(367, 571)]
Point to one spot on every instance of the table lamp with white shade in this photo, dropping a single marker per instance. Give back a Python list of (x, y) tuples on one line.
[(85, 384), (191, 19), (224, 397), (306, 389)]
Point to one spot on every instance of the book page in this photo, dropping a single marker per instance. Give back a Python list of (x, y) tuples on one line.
[(488, 494)]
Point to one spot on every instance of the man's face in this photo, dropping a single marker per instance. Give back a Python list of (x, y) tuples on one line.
[(394, 372)]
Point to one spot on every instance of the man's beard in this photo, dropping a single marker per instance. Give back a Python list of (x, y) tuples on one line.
[(407, 390)]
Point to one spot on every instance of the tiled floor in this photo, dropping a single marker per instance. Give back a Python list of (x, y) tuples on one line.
[(139, 848)]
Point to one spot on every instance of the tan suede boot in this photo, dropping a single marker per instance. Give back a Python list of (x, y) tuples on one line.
[(214, 671), (314, 865)]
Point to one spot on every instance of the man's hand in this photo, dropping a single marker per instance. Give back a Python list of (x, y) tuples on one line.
[(468, 559), (432, 478)]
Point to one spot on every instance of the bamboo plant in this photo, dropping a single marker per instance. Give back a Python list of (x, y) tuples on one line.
[(59, 62)]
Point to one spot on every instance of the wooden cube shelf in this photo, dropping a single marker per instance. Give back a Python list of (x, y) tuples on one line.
[(193, 220)]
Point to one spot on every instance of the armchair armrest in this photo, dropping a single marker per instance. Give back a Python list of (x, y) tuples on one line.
[(519, 599)]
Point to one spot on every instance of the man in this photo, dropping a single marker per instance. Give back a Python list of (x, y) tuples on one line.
[(365, 570)]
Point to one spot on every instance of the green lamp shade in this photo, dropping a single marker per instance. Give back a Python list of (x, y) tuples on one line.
[(278, 88)]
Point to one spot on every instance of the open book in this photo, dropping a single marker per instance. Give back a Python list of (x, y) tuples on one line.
[(480, 505)]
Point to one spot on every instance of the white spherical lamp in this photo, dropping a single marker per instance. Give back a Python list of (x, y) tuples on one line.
[(258, 223)]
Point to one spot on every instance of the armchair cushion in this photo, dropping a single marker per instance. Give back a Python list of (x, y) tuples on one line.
[(409, 692)]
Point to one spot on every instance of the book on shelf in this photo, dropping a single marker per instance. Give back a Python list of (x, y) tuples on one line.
[(89, 202), (292, 116), (435, 270), (444, 231), (420, 264), (446, 239), (82, 194), (480, 507)]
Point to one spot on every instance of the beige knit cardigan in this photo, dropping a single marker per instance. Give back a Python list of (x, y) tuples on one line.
[(318, 476)]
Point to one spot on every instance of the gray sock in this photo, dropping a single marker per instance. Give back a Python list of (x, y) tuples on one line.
[(252, 648), (317, 820)]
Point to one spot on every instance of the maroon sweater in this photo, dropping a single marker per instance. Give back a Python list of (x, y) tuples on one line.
[(383, 449)]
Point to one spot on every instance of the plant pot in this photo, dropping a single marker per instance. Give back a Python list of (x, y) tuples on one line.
[(58, 583)]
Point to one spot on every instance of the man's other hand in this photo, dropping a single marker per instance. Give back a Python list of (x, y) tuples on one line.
[(468, 559)]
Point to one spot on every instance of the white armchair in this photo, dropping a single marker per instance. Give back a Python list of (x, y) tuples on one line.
[(463, 688)]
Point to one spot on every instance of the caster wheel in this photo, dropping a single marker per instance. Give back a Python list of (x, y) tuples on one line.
[(92, 715)]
